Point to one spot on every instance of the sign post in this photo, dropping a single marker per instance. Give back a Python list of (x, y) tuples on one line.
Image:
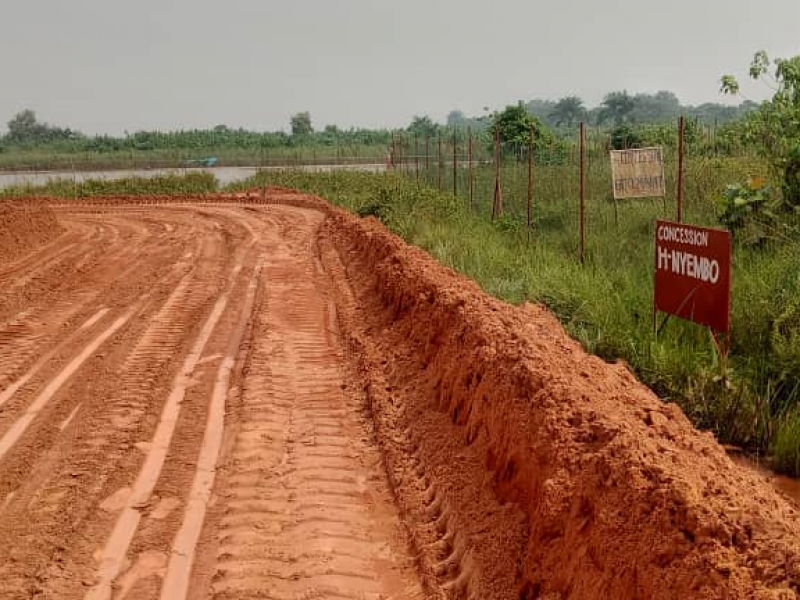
[(693, 275), (681, 133)]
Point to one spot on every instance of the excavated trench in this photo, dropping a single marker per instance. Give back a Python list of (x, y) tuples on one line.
[(262, 396)]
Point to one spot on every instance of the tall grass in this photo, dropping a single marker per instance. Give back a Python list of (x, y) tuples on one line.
[(190, 183), (750, 399)]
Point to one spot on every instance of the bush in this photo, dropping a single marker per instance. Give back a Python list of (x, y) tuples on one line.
[(623, 137)]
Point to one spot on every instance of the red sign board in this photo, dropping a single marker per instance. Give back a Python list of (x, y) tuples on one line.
[(693, 273)]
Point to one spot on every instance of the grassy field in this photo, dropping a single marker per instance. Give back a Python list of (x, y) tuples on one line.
[(750, 399), (191, 183)]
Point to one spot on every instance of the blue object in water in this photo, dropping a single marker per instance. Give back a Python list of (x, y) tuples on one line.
[(211, 161)]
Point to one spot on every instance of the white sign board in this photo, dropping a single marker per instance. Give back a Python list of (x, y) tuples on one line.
[(638, 173)]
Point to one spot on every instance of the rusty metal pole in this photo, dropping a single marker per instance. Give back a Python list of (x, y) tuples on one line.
[(455, 162), (583, 236), (497, 205), (530, 181), (406, 150), (427, 157), (401, 152), (416, 155), (439, 168), (681, 129), (469, 144)]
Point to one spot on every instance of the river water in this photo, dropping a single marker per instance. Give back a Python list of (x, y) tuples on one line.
[(225, 175)]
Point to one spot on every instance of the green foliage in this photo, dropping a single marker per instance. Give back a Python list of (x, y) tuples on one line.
[(192, 183), (24, 128), (423, 127), (301, 124), (568, 111), (791, 177), (616, 107), (456, 118), (623, 137), (514, 125), (660, 107), (774, 128), (741, 204), (31, 144), (785, 335), (786, 447)]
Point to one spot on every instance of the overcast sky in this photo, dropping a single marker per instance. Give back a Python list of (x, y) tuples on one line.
[(106, 66)]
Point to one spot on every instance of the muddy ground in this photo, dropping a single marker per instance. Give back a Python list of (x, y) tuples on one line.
[(261, 396)]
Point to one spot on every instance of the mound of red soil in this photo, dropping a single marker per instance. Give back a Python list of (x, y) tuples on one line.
[(25, 225), (547, 472)]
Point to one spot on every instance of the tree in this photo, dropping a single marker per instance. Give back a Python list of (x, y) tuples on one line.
[(456, 118), (541, 109), (774, 128), (616, 106), (24, 128), (660, 107), (568, 111), (514, 126), (423, 127), (301, 124)]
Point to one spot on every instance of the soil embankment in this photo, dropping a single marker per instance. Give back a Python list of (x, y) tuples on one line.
[(548, 470), (24, 226)]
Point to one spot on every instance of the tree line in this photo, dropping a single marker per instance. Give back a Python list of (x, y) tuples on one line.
[(618, 109)]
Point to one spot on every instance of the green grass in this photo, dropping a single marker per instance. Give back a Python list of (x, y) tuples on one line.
[(750, 399), (191, 183)]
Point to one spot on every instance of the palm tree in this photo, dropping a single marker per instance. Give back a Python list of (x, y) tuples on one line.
[(617, 106), (568, 111)]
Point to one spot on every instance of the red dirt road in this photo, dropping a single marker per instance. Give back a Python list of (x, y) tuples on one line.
[(260, 396)]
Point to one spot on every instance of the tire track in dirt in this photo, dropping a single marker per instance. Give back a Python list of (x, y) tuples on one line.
[(55, 314), (179, 569), (58, 268), (162, 517), (21, 425), (135, 503), (14, 387), (306, 512), (113, 555), (88, 449)]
